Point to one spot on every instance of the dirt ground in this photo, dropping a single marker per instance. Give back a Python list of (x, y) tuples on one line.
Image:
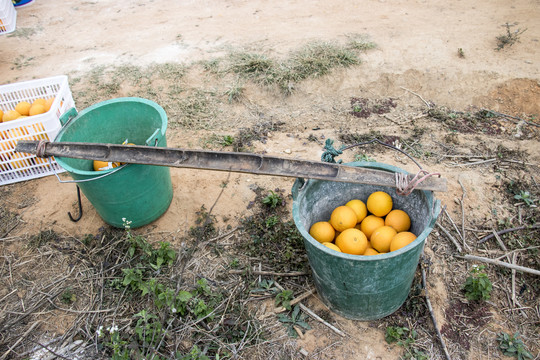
[(429, 55)]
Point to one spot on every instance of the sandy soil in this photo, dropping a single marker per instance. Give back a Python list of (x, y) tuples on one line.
[(417, 51)]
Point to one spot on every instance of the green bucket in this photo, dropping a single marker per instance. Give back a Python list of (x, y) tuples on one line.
[(136, 193), (361, 287)]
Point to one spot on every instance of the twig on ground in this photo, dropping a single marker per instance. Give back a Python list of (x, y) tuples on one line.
[(511, 118), (313, 315), (516, 250), (447, 233), (318, 318), (463, 234), (296, 300), (453, 223), (219, 236), (474, 163), (268, 273), (428, 302), (421, 98), (500, 263), (487, 237), (21, 338), (505, 249), (49, 350)]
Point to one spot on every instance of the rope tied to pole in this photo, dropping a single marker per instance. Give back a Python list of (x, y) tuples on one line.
[(41, 147), (330, 152)]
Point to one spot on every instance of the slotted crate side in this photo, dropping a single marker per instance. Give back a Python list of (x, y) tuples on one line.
[(8, 17), (15, 167)]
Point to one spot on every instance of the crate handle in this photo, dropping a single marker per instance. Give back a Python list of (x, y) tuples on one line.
[(66, 117)]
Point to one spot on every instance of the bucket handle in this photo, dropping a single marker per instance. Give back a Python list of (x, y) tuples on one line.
[(85, 180), (298, 186), (69, 115), (155, 138)]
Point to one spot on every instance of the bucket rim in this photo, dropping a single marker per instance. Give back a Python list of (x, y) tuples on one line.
[(72, 170), (434, 213)]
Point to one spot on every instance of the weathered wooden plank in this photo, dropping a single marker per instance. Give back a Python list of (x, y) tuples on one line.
[(223, 161)]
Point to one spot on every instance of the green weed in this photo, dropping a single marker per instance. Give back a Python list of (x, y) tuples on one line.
[(509, 38), (511, 345), (272, 200), (477, 285), (295, 318), (284, 299), (405, 338)]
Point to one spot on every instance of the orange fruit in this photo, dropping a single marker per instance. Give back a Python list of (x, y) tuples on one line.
[(379, 203), (331, 246), (16, 163), (48, 104), (401, 239), (23, 108), (40, 101), (382, 237), (399, 220), (359, 208), (1, 115), (322, 231), (371, 251), (36, 109), (103, 165), (352, 241), (343, 217), (370, 224), (10, 115)]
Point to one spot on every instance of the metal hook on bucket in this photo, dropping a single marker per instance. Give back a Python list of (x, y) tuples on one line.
[(80, 207)]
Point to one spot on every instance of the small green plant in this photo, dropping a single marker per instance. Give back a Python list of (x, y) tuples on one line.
[(284, 299), (266, 286), (115, 343), (405, 338), (511, 345), (148, 328), (477, 285), (68, 296), (272, 200), (227, 140), (461, 53), (363, 157), (235, 263), (296, 318), (235, 92), (271, 221), (194, 354), (526, 197), (509, 38)]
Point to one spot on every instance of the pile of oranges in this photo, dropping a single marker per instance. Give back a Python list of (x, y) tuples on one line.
[(24, 109), (8, 138), (369, 228)]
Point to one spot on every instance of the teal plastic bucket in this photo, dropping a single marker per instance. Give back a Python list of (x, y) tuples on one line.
[(136, 193), (361, 287)]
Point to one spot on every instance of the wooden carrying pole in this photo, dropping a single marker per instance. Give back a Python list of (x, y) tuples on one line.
[(221, 161)]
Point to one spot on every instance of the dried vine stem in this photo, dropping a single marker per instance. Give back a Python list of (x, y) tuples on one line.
[(428, 302), (500, 263)]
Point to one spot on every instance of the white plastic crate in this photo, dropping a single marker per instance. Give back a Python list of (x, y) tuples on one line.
[(8, 17), (15, 166)]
